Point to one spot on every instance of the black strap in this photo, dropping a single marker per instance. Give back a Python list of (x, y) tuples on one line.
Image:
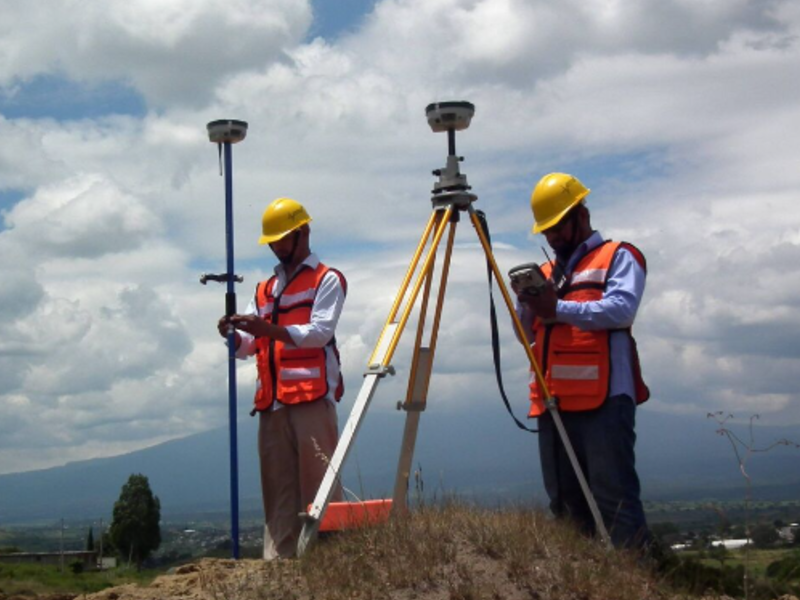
[(495, 335)]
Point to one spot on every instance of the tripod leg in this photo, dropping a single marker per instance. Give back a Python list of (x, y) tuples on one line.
[(387, 334), (419, 378), (379, 366), (443, 219), (311, 525), (417, 386), (550, 401)]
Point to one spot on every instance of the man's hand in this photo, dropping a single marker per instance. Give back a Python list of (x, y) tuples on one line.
[(222, 327), (544, 303), (252, 324), (255, 326), (515, 287), (249, 323)]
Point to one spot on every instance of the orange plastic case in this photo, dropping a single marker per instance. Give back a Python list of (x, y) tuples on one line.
[(350, 515)]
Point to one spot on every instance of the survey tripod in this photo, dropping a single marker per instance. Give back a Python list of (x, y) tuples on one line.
[(450, 197)]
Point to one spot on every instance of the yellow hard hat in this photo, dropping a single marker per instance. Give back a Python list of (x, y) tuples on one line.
[(553, 197), (281, 217)]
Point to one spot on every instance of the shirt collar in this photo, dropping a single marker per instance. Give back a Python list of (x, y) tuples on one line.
[(589, 244), (311, 261)]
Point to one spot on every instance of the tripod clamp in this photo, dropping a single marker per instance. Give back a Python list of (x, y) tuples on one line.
[(380, 370), (551, 403)]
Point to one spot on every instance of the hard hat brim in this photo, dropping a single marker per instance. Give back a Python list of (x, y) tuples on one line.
[(268, 239)]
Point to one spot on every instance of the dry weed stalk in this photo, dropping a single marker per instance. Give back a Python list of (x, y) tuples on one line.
[(326, 459), (743, 452)]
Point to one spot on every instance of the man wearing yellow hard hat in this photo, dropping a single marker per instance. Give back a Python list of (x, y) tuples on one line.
[(580, 325), (290, 327)]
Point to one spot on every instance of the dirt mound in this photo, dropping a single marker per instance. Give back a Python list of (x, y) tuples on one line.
[(211, 579), (46, 597)]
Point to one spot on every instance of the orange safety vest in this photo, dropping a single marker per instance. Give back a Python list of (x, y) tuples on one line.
[(577, 363), (288, 374)]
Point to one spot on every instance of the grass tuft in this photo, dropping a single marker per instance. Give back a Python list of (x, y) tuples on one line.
[(467, 552)]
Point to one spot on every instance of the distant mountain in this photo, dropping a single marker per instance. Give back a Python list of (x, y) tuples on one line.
[(478, 455)]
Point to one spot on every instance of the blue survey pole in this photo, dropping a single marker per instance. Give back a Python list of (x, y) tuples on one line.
[(230, 309), (225, 133)]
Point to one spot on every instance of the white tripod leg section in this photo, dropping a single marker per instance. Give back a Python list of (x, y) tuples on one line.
[(314, 517), (598, 519)]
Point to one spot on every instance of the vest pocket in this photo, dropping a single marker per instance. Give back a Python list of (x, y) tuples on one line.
[(575, 373), (301, 375), (300, 384), (289, 354)]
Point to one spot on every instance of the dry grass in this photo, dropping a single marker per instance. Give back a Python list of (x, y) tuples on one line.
[(451, 552), (463, 553)]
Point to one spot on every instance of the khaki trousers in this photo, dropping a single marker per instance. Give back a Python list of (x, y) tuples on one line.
[(295, 443)]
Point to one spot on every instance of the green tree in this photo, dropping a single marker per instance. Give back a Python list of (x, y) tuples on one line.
[(135, 531)]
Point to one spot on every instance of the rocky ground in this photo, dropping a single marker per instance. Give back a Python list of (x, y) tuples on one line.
[(225, 579), (207, 579)]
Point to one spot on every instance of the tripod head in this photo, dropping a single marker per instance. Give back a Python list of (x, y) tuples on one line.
[(452, 188)]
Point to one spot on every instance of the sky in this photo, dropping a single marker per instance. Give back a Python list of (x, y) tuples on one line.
[(681, 116)]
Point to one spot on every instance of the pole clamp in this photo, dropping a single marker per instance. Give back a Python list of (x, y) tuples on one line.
[(221, 278)]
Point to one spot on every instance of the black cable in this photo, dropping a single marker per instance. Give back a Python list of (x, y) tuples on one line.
[(495, 334)]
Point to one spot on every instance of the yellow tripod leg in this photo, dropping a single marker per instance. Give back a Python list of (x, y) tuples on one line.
[(427, 265), (388, 331), (419, 377), (378, 367)]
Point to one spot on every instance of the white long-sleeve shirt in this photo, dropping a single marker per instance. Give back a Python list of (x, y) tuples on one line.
[(318, 331)]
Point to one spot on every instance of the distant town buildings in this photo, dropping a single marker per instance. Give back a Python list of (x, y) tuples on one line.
[(789, 532), (730, 544)]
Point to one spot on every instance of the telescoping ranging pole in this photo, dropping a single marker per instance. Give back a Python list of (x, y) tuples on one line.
[(224, 133)]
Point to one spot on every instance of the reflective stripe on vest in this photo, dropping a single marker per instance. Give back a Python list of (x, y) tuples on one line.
[(576, 363), (288, 374)]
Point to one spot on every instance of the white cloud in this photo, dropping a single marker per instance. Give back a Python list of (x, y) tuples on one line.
[(85, 216), (174, 51), (677, 114)]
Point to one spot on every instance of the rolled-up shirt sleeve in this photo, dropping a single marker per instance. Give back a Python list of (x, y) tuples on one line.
[(325, 313), (247, 347), (617, 308)]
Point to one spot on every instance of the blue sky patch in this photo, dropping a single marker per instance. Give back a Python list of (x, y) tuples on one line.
[(640, 165), (60, 98), (333, 19), (8, 198)]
